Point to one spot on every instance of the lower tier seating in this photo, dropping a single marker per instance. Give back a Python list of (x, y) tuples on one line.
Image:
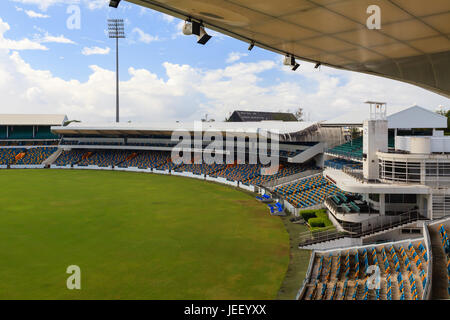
[(307, 192), (345, 274)]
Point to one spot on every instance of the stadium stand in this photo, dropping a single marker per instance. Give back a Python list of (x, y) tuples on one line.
[(36, 155), (8, 155), (347, 278), (307, 192), (352, 149), (25, 156), (341, 163)]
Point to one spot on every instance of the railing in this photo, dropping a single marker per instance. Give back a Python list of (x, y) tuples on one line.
[(376, 224), (336, 209)]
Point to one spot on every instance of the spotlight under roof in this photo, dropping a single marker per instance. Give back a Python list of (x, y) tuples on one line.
[(114, 3), (290, 61), (196, 28)]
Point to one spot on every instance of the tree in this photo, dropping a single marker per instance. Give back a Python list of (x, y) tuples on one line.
[(299, 114), (445, 113)]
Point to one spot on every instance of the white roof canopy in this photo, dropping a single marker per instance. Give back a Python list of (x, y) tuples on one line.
[(280, 127), (413, 44), (412, 117), (32, 119)]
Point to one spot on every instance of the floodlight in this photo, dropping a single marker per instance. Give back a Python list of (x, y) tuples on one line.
[(114, 3), (252, 44), (196, 28), (290, 61)]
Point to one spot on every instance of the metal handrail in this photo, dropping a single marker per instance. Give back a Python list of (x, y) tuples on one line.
[(310, 237)]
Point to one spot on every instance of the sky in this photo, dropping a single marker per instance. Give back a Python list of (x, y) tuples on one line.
[(55, 57)]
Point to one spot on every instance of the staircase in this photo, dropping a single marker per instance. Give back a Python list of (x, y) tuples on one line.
[(440, 278)]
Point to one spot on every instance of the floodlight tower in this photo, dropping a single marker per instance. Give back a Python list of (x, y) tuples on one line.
[(116, 30)]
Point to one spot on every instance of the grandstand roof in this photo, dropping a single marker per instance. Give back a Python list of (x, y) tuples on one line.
[(281, 127), (412, 117), (412, 45), (251, 116), (32, 119)]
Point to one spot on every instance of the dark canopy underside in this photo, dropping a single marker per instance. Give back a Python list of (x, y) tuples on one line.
[(413, 44)]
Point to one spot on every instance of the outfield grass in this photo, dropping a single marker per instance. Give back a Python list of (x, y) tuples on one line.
[(135, 236)]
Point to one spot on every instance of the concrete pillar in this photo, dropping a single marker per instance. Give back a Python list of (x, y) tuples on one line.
[(429, 198), (382, 204), (422, 172)]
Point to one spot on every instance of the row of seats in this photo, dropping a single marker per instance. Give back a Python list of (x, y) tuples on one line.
[(345, 274), (25, 156), (307, 192), (36, 155), (283, 171), (244, 173), (339, 164), (446, 246), (352, 149)]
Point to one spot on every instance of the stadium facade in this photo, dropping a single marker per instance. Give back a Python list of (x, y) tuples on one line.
[(386, 185)]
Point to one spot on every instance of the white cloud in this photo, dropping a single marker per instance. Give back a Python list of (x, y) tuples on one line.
[(187, 93), (96, 4), (45, 4), (95, 50), (33, 14), (47, 38), (167, 18), (144, 37), (24, 44), (235, 56)]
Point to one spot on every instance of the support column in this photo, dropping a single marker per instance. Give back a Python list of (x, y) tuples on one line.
[(382, 204)]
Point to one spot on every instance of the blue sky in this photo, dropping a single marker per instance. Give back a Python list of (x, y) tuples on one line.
[(48, 68)]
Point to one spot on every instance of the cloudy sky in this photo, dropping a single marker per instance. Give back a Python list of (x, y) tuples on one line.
[(50, 64)]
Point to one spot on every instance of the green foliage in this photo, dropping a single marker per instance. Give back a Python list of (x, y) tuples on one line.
[(317, 219), (316, 223), (308, 214), (445, 113)]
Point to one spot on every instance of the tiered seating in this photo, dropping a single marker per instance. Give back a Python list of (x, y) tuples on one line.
[(307, 192), (8, 155), (69, 157), (446, 246), (444, 238), (239, 172), (397, 280), (346, 203), (146, 159), (412, 284), (283, 171), (105, 158), (201, 169), (352, 149), (36, 155), (339, 164), (389, 287)]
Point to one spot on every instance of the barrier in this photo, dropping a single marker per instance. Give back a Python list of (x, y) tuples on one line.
[(27, 166)]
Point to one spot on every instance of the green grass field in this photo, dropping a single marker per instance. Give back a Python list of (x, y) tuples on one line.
[(135, 236)]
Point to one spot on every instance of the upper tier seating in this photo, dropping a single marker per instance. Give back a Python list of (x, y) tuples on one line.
[(341, 163), (307, 192), (352, 149)]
